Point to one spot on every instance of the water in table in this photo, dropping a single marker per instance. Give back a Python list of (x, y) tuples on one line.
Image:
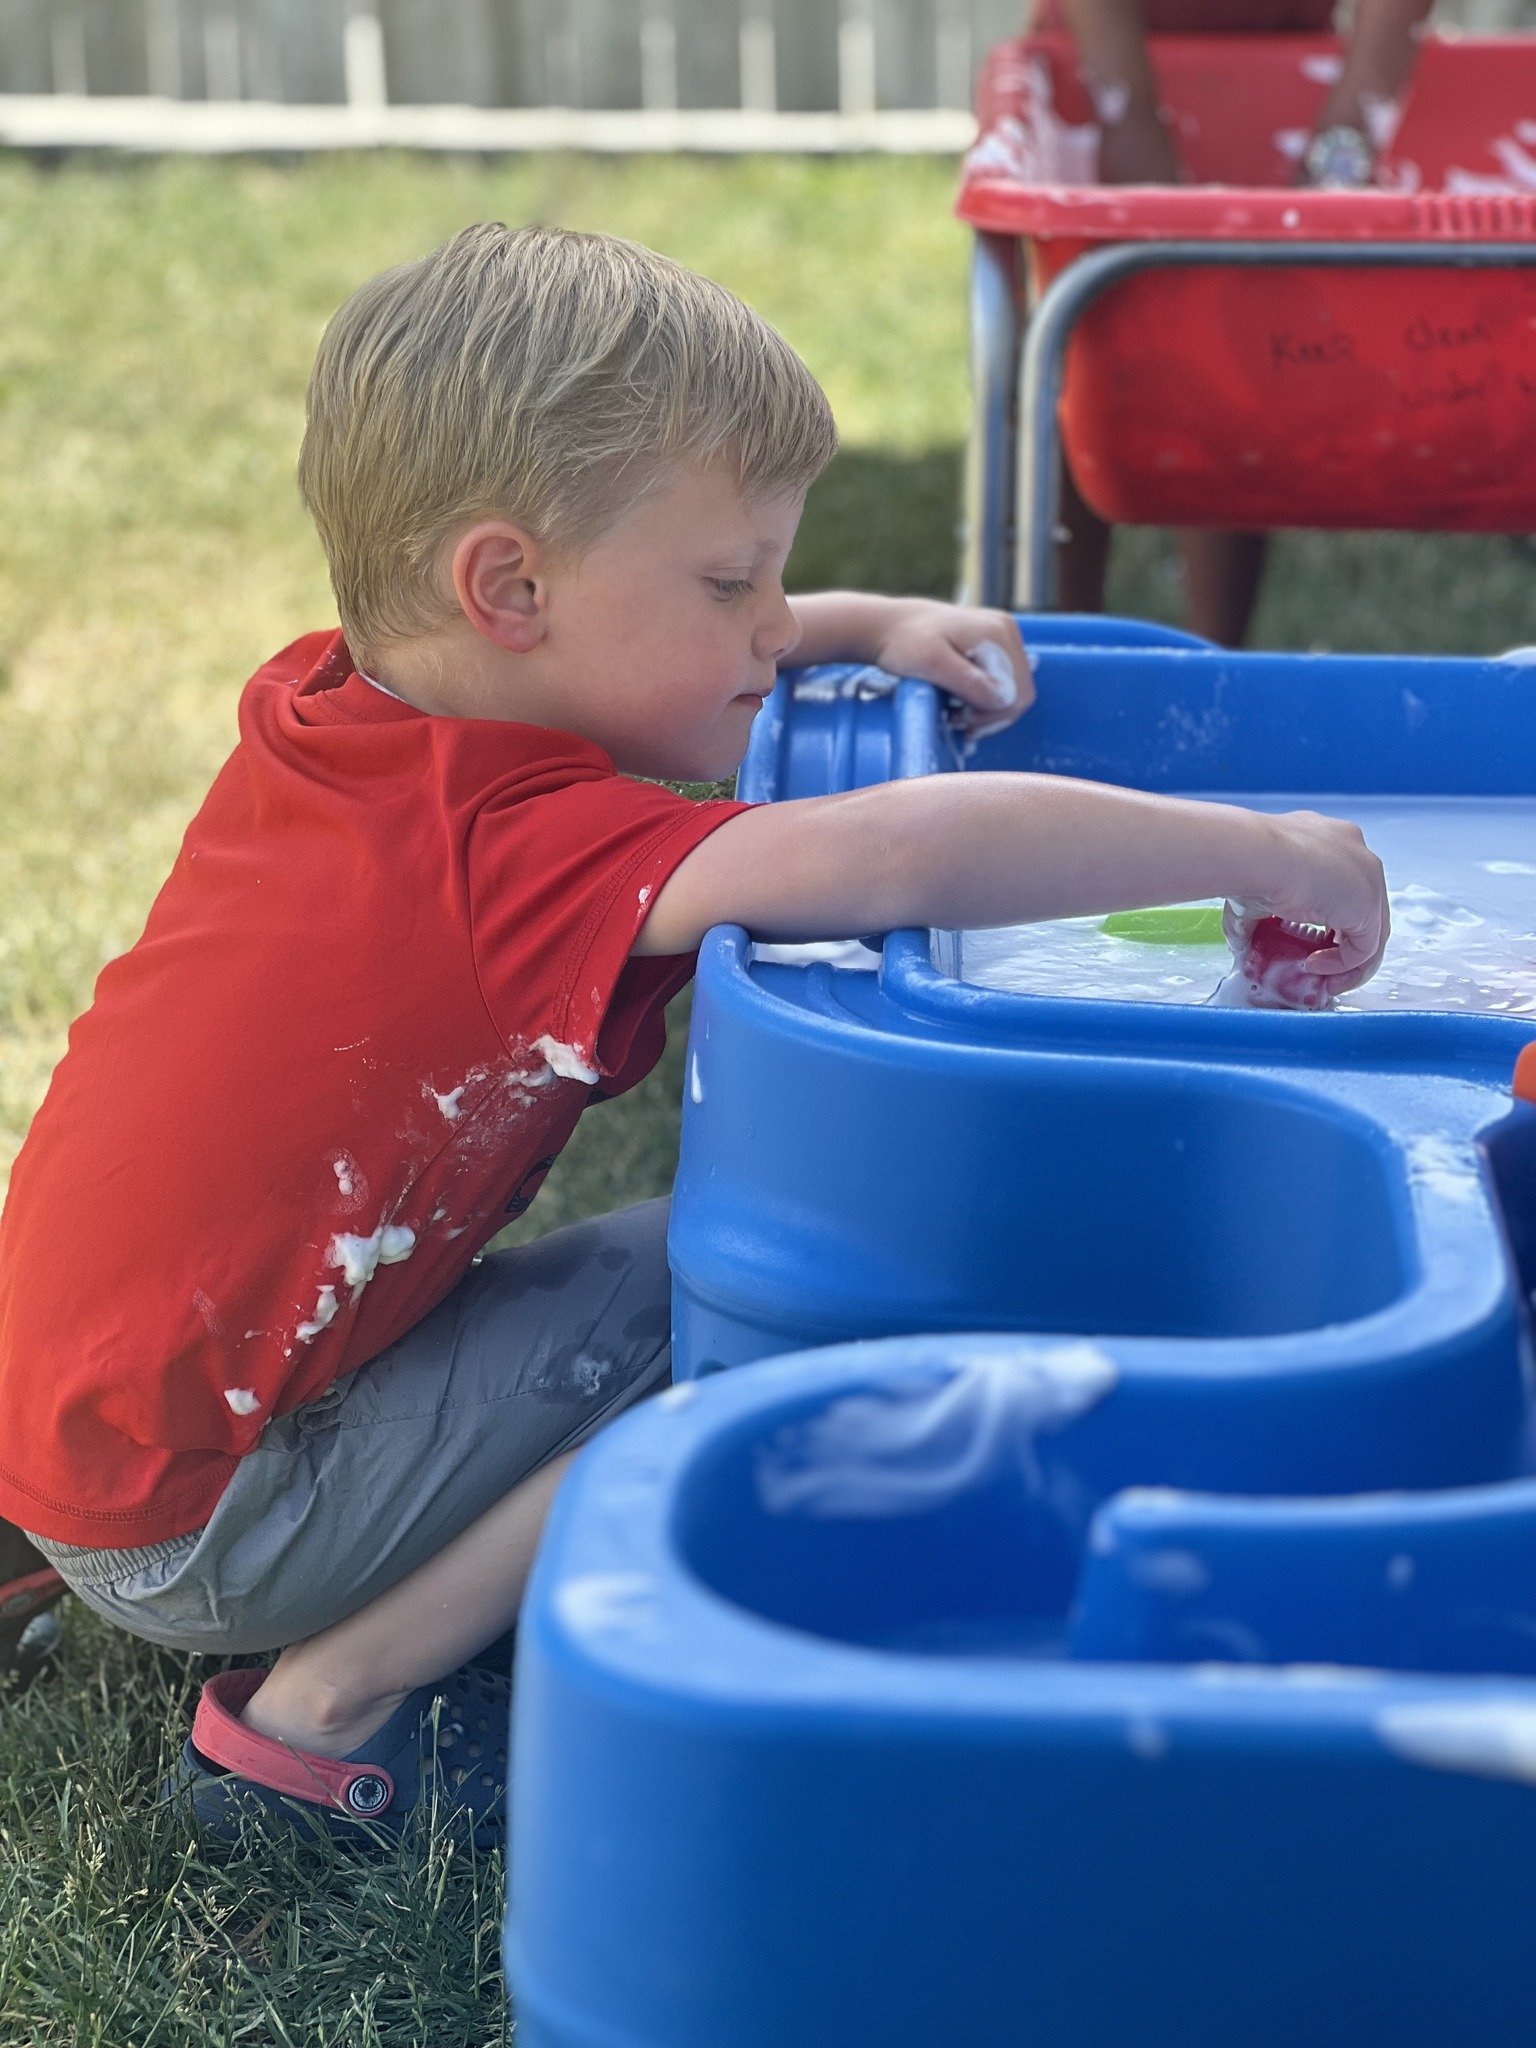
[(1461, 872)]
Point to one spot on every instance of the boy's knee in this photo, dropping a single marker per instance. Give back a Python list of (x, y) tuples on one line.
[(650, 1323), (638, 1237), (621, 1251), (635, 1255)]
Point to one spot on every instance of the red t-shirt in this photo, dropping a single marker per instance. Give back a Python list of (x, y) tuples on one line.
[(369, 1006)]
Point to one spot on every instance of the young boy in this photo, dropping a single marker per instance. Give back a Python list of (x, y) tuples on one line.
[(253, 1393)]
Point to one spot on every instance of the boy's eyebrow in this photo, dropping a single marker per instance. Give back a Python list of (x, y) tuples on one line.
[(751, 551)]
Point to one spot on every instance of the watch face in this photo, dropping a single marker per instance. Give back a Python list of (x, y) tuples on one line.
[(1339, 157)]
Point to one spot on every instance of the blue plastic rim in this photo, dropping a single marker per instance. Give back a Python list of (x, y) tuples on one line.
[(850, 1711), (867, 1155), (1151, 1655)]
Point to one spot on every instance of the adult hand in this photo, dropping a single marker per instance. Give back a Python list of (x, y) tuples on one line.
[(1136, 148)]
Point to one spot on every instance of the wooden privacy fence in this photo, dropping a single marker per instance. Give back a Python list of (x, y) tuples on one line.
[(496, 74), (210, 74)]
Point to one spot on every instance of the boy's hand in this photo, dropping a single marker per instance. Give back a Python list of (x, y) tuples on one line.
[(1319, 871), (941, 643)]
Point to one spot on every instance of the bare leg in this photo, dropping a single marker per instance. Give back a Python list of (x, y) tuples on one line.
[(329, 1693), (1222, 575), (1082, 557)]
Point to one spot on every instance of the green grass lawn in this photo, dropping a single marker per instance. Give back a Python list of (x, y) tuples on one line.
[(160, 325)]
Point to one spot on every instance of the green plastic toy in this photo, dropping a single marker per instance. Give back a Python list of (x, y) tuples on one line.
[(1178, 924)]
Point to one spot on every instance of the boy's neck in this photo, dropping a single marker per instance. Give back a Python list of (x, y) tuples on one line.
[(456, 673)]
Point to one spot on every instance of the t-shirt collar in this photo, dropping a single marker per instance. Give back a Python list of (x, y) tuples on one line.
[(334, 689), (388, 692)]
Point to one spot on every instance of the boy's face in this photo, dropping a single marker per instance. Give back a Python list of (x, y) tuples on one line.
[(670, 626)]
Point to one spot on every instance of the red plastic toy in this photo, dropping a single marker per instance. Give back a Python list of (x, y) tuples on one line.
[(1272, 974)]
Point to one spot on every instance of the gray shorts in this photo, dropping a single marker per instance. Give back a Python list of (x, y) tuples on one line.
[(534, 1349)]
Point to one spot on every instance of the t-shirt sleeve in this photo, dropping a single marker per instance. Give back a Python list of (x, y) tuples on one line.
[(560, 884)]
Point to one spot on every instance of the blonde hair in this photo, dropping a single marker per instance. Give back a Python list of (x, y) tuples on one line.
[(541, 375)]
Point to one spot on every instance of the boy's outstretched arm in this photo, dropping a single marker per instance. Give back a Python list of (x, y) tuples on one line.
[(967, 851)]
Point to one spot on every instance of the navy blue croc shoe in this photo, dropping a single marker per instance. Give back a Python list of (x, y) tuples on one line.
[(447, 1741)]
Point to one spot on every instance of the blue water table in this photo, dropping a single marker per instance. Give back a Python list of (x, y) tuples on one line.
[(1118, 1623)]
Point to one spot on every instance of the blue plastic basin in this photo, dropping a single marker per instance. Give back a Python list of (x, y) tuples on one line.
[(1149, 1656), (806, 1750)]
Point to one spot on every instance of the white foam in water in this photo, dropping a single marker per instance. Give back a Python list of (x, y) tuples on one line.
[(1461, 873), (910, 1448)]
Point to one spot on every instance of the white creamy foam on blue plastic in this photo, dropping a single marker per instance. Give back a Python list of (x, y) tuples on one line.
[(1486, 1738), (1461, 873), (908, 1448)]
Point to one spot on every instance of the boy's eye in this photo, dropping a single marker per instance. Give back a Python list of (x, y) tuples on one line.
[(730, 586)]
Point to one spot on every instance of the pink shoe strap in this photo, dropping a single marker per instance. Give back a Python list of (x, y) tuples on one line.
[(219, 1734), (34, 1592)]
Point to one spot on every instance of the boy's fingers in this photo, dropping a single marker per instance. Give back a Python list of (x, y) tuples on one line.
[(1349, 955), (1329, 961), (977, 726), (987, 677), (1023, 661), (1365, 944), (1342, 979), (977, 656), (1008, 642), (966, 677), (1340, 984), (1355, 953)]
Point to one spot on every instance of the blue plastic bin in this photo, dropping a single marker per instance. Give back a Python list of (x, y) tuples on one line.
[(842, 1720), (868, 1155), (1152, 1656)]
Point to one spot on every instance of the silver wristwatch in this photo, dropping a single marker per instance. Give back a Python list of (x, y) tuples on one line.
[(1339, 157)]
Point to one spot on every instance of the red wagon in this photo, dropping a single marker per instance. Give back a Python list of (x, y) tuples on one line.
[(1238, 351)]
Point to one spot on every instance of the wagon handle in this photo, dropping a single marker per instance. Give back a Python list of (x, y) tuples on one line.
[(986, 547), (1041, 365)]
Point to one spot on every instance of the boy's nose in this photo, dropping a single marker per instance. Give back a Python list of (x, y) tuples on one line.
[(778, 634)]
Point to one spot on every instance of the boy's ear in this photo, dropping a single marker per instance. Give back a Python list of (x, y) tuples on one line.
[(499, 573)]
